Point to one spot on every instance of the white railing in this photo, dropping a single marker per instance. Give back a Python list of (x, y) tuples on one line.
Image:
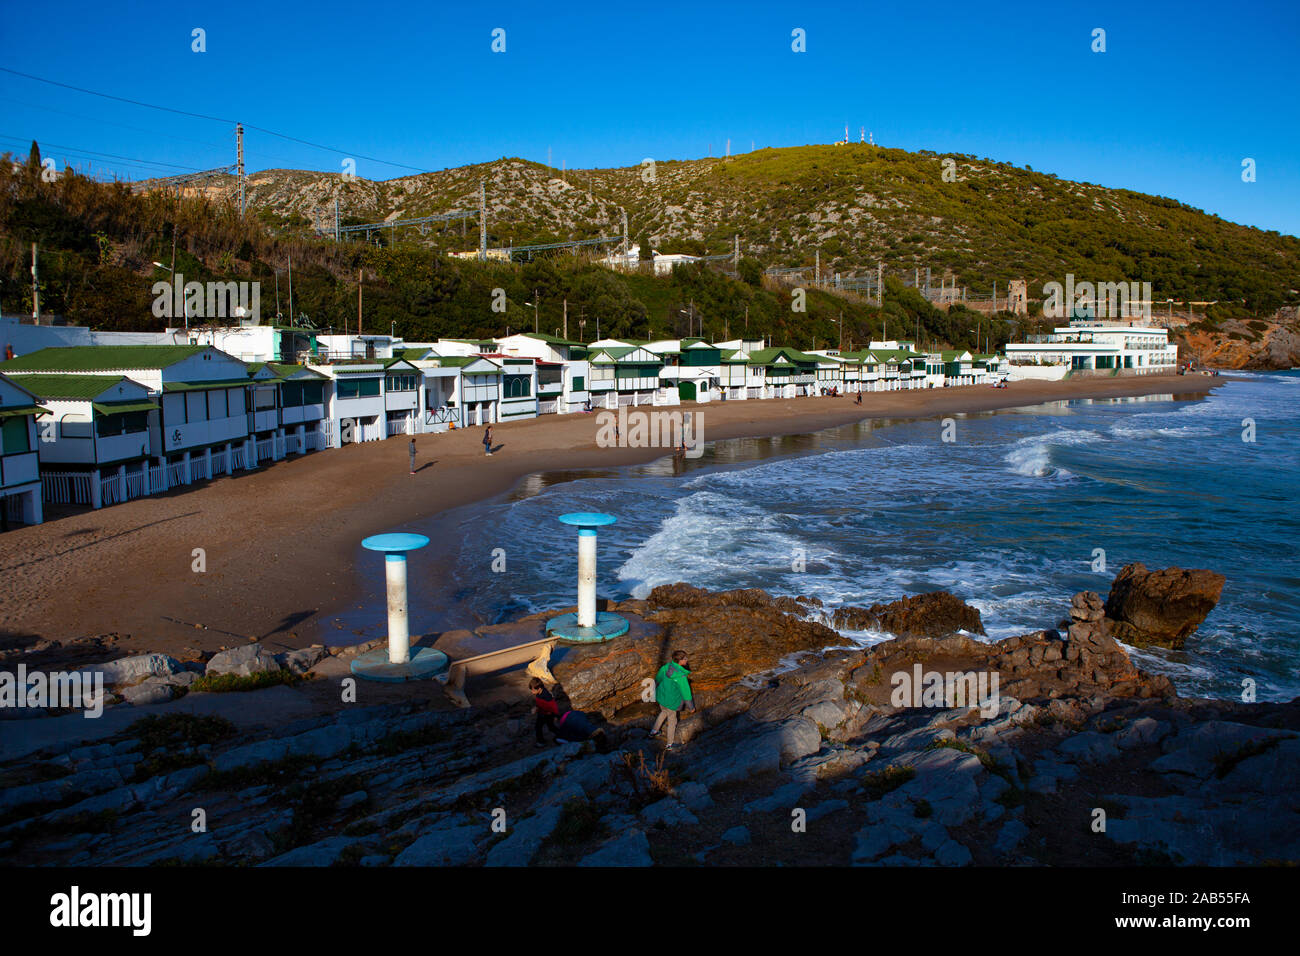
[(237, 458), (65, 487), (108, 490), (198, 468), (156, 479), (398, 426), (137, 484), (218, 463), (175, 473), (324, 434), (265, 449), (277, 442), (551, 407)]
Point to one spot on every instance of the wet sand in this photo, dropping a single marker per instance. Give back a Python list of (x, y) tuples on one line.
[(279, 543)]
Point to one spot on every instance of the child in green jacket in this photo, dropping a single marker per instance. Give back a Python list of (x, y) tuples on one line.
[(672, 690)]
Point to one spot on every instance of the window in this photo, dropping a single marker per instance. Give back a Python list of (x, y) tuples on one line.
[(357, 387), (217, 404), (264, 398), (401, 383), (14, 439), (313, 393), (126, 423), (518, 386), (579, 383)]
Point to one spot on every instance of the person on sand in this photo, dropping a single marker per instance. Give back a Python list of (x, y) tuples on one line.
[(411, 451), (859, 399), (571, 725), (487, 441), (672, 691)]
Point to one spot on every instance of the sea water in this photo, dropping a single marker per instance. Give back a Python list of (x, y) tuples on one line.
[(1014, 514)]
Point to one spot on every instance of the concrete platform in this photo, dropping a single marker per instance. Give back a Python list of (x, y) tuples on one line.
[(608, 626)]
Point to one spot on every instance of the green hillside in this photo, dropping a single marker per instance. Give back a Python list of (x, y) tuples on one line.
[(856, 205)]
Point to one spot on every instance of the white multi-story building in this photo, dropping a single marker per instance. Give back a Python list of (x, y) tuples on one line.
[(1087, 345)]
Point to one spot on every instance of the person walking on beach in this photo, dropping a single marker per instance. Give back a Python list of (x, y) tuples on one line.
[(487, 441), (411, 448), (672, 691)]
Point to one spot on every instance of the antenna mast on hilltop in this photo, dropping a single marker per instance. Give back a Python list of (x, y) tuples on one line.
[(482, 220), (239, 164)]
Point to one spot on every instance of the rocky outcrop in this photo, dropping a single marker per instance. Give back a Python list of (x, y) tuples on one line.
[(729, 636), (1160, 607), (926, 615), (1007, 776)]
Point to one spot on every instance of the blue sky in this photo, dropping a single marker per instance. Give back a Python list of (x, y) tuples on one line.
[(1183, 94)]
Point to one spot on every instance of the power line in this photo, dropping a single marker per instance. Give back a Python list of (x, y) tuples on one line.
[(90, 152), (97, 119), (214, 119)]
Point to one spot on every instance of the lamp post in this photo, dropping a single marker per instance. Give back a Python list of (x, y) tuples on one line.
[(185, 304), (534, 305)]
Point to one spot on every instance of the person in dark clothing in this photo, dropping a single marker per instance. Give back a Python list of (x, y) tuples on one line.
[(572, 725)]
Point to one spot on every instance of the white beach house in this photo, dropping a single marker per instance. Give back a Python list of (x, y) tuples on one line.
[(20, 480), (562, 370), (198, 428)]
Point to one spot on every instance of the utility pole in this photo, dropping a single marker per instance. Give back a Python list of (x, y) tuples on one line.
[(291, 288), (36, 290), (482, 221), (336, 220), (624, 234), (566, 319), (239, 162), (841, 330), (880, 283), (817, 267), (735, 256), (358, 302), (535, 301)]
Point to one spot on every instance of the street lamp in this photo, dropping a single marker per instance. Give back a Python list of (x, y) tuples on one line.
[(185, 303), (536, 298)]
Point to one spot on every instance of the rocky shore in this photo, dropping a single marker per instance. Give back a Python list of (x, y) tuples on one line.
[(930, 748)]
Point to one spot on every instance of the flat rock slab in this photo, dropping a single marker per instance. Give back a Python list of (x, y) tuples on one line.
[(271, 706)]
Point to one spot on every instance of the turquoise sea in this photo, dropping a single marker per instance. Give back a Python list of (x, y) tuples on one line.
[(1013, 516)]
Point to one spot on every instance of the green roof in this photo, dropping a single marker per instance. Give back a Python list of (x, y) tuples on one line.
[(10, 411), (67, 386), (551, 339), (793, 356), (202, 386), (118, 408), (95, 358), (282, 371)]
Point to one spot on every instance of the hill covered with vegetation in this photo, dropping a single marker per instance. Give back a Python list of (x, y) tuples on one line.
[(855, 205)]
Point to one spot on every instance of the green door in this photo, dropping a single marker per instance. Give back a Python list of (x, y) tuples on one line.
[(686, 391)]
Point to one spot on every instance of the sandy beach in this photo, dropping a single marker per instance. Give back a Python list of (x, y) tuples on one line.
[(279, 543)]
